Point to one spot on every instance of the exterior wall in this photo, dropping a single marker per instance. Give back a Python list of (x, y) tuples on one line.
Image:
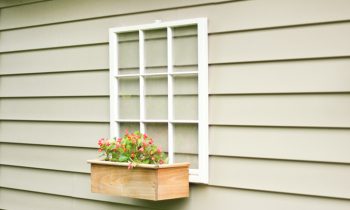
[(279, 102)]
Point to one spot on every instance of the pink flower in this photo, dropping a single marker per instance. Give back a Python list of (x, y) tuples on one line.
[(161, 161), (159, 149), (141, 149), (153, 158), (100, 141), (99, 150), (126, 131), (130, 165), (145, 136), (108, 143), (150, 141), (144, 144), (119, 140)]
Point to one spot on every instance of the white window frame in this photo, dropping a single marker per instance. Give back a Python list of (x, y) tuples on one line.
[(199, 175)]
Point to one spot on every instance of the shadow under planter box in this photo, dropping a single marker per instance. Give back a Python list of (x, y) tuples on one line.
[(145, 181)]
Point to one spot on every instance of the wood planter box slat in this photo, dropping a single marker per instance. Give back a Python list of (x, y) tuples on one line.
[(145, 181)]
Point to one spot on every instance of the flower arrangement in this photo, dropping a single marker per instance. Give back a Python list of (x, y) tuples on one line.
[(134, 148)]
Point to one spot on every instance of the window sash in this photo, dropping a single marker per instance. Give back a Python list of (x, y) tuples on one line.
[(199, 175)]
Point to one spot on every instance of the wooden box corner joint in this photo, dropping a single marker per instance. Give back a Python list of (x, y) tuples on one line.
[(145, 181)]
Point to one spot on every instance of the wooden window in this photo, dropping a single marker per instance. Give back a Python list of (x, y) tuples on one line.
[(159, 85)]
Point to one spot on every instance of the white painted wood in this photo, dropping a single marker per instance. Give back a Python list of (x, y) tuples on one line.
[(113, 84), (203, 109), (141, 78), (196, 175), (170, 95)]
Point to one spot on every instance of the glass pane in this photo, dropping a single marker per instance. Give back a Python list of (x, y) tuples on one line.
[(186, 138), (159, 133), (186, 144), (156, 99), (185, 44), (129, 107), (185, 107), (131, 127), (186, 85), (128, 52), (193, 159), (156, 51), (129, 99)]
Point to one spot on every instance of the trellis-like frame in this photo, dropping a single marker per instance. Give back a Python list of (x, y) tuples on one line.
[(199, 175)]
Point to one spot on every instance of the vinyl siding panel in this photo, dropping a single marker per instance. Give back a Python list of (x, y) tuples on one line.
[(309, 110), (279, 98), (62, 59), (281, 44), (76, 134), (60, 84), (56, 109), (308, 76), (290, 143)]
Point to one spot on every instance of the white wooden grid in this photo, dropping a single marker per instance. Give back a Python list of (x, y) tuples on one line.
[(199, 175)]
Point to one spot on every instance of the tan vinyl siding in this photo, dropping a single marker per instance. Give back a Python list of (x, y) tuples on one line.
[(290, 143), (223, 17), (279, 89)]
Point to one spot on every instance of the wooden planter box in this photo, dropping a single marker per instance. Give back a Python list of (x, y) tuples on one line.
[(145, 181)]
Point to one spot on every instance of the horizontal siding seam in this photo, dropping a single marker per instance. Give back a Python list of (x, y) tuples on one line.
[(279, 159), (277, 126), (117, 15), (281, 192), (210, 94), (75, 197), (277, 27), (46, 120), (282, 60), (210, 124), (209, 34), (21, 4), (55, 47), (53, 72), (56, 96)]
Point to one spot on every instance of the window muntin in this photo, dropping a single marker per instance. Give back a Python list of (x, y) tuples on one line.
[(159, 85)]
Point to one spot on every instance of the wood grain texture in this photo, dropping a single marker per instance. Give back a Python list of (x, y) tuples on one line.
[(140, 182)]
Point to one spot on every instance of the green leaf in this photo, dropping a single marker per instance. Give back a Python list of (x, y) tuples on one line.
[(123, 158)]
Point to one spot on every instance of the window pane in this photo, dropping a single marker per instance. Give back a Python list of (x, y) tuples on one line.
[(185, 45), (186, 144), (193, 159), (156, 51), (159, 133), (131, 127), (185, 107), (129, 100), (156, 99), (186, 138), (128, 52), (186, 85)]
